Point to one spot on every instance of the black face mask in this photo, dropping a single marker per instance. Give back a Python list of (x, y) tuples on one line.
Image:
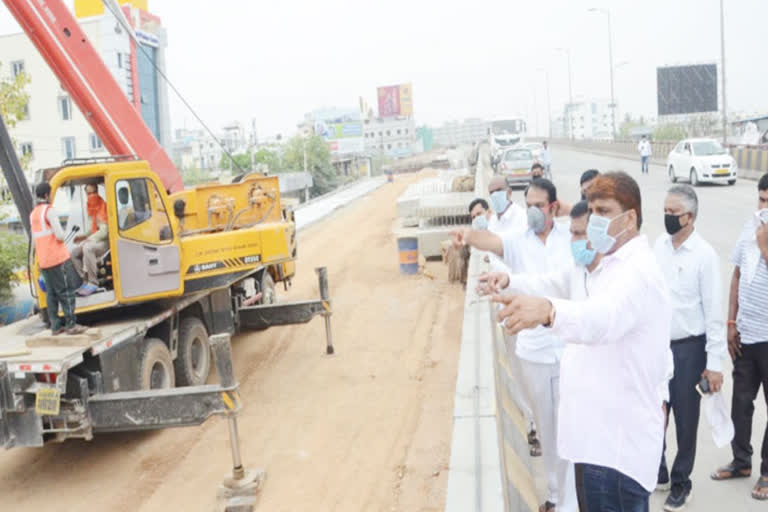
[(672, 223)]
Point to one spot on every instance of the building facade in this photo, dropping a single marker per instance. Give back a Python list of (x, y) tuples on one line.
[(587, 120), (394, 136), (55, 129), (453, 133)]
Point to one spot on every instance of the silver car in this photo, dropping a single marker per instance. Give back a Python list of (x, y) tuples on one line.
[(515, 165)]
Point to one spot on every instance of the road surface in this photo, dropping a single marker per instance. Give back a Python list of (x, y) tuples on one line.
[(366, 429)]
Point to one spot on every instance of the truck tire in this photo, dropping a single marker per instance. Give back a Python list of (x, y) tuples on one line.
[(193, 361), (269, 293), (156, 368)]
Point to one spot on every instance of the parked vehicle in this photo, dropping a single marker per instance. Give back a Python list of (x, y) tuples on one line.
[(701, 160), (515, 165)]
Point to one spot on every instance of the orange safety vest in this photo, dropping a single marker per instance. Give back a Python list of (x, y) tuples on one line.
[(50, 250)]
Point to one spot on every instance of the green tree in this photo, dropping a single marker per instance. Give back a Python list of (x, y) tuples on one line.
[(13, 257), (271, 159), (318, 162), (671, 132), (195, 176), (13, 107), (242, 162), (13, 248)]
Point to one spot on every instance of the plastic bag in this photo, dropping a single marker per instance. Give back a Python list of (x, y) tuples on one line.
[(716, 411)]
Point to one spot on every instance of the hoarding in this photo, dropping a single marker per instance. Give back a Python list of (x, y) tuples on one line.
[(342, 129), (395, 100), (687, 89)]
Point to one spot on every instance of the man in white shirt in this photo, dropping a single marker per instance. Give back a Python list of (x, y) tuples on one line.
[(508, 217), (545, 157), (544, 247), (748, 342), (611, 422), (691, 268), (644, 148)]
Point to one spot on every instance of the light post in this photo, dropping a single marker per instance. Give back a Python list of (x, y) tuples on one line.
[(607, 13), (567, 51), (722, 73), (549, 103)]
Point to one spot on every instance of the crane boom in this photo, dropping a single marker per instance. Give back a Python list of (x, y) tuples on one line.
[(64, 46)]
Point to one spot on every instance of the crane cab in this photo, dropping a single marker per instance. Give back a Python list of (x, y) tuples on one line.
[(141, 258)]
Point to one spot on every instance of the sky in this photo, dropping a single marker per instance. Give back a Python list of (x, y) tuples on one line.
[(240, 60)]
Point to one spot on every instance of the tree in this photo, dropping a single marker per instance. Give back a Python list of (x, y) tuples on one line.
[(13, 248), (13, 107), (13, 257), (672, 132), (242, 162), (195, 176), (270, 159), (318, 161)]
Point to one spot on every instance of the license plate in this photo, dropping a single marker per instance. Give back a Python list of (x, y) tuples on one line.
[(48, 402), (721, 171), (520, 171)]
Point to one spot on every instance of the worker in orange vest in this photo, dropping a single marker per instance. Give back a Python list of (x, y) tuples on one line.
[(54, 262), (92, 246)]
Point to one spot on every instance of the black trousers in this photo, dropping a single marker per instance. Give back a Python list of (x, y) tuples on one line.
[(750, 370), (690, 359), (60, 285)]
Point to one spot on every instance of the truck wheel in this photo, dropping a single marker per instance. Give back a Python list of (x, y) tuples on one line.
[(193, 362), (156, 369), (269, 294)]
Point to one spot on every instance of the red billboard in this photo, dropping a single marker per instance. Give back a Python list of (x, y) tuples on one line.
[(389, 101)]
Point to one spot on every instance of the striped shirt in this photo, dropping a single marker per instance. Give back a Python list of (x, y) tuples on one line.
[(752, 320)]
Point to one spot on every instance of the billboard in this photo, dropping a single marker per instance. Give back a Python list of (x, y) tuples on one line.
[(687, 89), (395, 100), (342, 129)]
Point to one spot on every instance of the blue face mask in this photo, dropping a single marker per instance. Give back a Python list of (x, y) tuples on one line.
[(597, 232), (581, 254), (499, 201), (480, 223)]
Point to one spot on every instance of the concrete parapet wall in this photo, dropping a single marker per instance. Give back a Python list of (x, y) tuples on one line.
[(752, 162), (490, 467)]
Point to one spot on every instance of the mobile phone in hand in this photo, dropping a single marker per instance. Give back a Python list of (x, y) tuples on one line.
[(703, 387)]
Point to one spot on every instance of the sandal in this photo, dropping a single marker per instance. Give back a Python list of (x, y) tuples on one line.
[(730, 471), (548, 506), (760, 485)]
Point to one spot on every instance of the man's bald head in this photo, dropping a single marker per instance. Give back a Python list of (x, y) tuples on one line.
[(497, 183)]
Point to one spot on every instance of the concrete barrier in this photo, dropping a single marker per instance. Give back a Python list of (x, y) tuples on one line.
[(489, 468), (752, 162)]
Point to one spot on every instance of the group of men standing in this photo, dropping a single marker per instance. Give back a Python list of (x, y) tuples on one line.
[(611, 335)]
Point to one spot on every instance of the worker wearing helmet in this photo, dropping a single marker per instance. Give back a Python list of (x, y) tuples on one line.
[(54, 262)]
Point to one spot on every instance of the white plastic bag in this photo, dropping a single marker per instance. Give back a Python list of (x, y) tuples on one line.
[(719, 419)]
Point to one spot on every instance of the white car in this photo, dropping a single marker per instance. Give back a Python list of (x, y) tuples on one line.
[(701, 160), (535, 148)]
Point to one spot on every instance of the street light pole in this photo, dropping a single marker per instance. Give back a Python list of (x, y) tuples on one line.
[(722, 73), (607, 12), (567, 51), (549, 103)]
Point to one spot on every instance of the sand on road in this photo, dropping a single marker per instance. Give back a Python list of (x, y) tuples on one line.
[(366, 429)]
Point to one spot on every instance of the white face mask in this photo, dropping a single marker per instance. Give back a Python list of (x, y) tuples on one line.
[(762, 216), (480, 223), (597, 232)]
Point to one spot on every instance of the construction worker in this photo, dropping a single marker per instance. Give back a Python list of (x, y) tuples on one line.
[(92, 246), (54, 262)]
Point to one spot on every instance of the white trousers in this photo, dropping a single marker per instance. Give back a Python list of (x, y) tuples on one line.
[(543, 383), (520, 394)]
